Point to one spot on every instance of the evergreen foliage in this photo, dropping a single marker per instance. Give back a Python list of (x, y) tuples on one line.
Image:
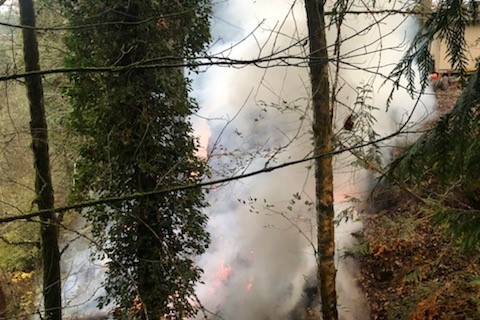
[(137, 137), (448, 24), (449, 153)]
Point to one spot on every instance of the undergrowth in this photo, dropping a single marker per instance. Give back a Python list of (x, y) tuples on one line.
[(411, 267)]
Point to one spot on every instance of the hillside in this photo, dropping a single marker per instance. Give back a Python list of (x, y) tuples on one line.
[(411, 269)]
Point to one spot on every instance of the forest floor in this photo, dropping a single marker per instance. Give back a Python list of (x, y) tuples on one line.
[(411, 269)]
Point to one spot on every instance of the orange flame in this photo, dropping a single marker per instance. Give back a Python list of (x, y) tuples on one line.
[(224, 272), (222, 276)]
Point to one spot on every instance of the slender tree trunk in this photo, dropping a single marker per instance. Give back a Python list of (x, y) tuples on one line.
[(322, 130), (43, 181), (3, 305)]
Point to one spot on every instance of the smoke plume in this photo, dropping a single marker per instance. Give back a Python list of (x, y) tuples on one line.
[(261, 264), (262, 261)]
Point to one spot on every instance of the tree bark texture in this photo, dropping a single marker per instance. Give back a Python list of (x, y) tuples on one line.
[(3, 305), (43, 181), (322, 131)]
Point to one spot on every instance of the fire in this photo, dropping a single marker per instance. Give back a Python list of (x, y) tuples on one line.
[(224, 272), (221, 277)]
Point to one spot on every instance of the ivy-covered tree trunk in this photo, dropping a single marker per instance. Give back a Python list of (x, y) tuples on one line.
[(43, 182), (138, 138), (322, 131)]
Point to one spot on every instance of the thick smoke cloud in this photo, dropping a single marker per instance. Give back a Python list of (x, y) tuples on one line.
[(261, 263), (263, 227)]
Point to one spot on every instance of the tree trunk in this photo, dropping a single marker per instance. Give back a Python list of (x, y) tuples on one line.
[(322, 131), (43, 181), (3, 305)]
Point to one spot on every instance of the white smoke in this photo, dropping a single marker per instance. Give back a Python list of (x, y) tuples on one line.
[(82, 281), (261, 257), (263, 228)]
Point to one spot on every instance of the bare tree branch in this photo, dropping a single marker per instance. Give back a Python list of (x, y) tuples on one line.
[(108, 200), (170, 63), (121, 22), (20, 243)]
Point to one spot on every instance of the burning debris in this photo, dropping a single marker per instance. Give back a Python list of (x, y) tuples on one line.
[(222, 277)]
